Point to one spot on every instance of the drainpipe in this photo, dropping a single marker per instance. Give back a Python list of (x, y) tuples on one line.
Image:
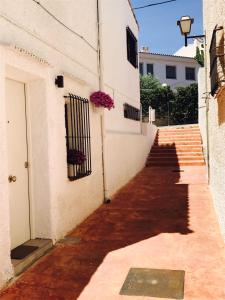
[(101, 87), (207, 109)]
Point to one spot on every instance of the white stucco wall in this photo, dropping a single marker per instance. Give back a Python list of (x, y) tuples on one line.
[(161, 61), (214, 12), (57, 205), (119, 73), (124, 140), (45, 49), (126, 155), (6, 268)]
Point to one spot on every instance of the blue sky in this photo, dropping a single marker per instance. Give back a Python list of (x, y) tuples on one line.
[(158, 28)]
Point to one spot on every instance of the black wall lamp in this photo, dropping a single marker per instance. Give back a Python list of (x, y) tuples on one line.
[(59, 81), (185, 24)]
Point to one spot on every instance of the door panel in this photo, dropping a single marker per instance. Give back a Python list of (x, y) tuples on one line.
[(17, 156)]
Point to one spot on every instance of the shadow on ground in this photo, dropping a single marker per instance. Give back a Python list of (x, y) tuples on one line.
[(151, 204)]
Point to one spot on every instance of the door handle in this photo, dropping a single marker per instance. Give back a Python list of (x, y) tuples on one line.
[(12, 178)]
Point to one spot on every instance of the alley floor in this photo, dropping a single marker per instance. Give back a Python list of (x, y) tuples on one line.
[(162, 219)]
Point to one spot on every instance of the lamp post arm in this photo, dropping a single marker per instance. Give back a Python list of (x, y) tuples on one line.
[(192, 37), (196, 36)]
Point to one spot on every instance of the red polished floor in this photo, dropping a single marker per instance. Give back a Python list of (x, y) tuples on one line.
[(161, 219)]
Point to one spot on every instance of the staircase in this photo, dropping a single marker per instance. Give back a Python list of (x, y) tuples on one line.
[(177, 146)]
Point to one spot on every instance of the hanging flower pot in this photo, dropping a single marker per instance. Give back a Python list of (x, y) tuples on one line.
[(75, 157), (101, 99)]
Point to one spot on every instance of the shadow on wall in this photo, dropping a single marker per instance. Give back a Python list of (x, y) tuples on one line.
[(221, 107), (221, 77), (151, 204)]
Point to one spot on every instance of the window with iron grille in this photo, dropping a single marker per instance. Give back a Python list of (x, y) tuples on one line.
[(150, 69), (171, 72), (78, 140), (217, 62), (131, 48), (131, 112), (190, 73), (141, 69)]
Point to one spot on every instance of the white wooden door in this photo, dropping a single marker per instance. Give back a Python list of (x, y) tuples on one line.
[(17, 157)]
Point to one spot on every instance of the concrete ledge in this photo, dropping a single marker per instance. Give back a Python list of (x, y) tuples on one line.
[(43, 246)]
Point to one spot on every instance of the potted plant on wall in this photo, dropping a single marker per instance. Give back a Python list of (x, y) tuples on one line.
[(101, 99), (75, 157)]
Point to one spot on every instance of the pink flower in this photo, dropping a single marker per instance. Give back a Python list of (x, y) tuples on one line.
[(102, 99)]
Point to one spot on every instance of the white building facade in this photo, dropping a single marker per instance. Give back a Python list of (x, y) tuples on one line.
[(173, 70), (39, 196), (191, 49), (212, 102)]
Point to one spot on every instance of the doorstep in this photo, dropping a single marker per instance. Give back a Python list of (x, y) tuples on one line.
[(22, 264)]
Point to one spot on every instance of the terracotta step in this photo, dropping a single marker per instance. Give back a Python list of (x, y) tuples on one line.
[(167, 139), (179, 133), (171, 154), (176, 150), (177, 147), (184, 143), (159, 133), (177, 137), (157, 158), (185, 131), (178, 128), (176, 141), (181, 163)]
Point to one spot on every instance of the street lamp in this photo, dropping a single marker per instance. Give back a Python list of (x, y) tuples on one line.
[(185, 24)]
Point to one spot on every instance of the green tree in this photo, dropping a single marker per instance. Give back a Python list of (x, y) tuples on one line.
[(154, 95), (184, 109), (149, 90), (182, 104)]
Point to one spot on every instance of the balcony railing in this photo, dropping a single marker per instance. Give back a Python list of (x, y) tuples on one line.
[(217, 60)]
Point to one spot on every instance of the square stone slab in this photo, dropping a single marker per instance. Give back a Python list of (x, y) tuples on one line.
[(154, 283)]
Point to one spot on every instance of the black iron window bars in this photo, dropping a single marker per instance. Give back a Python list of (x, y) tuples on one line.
[(132, 52), (131, 112), (78, 140), (217, 60)]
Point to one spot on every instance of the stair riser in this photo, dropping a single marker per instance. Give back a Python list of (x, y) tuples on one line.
[(178, 143), (186, 132), (175, 154), (175, 147), (175, 165), (179, 150), (182, 138), (156, 159), (178, 135)]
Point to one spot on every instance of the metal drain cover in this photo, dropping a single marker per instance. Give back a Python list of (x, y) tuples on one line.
[(70, 240), (154, 283)]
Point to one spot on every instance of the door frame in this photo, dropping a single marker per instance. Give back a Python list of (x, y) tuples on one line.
[(35, 79), (37, 74), (31, 232)]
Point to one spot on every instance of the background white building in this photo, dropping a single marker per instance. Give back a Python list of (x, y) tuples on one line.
[(190, 50), (170, 69), (38, 42)]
